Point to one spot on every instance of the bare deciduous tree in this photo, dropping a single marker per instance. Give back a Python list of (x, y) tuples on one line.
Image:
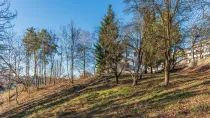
[(70, 36)]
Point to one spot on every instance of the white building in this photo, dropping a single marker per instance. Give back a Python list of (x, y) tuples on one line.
[(201, 51), (131, 59)]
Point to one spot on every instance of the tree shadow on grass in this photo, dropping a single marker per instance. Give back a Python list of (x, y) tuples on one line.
[(157, 101), (141, 108), (29, 108), (115, 103), (48, 101)]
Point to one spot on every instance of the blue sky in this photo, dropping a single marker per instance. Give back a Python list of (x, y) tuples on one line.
[(52, 14)]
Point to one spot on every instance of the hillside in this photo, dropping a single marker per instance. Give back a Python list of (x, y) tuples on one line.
[(186, 96), (202, 66)]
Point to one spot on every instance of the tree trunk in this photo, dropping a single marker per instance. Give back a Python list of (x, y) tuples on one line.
[(145, 69), (200, 50), (35, 77), (135, 81), (67, 66), (61, 62), (140, 76), (38, 76), (151, 70), (193, 54), (51, 72), (54, 73), (72, 68), (16, 88), (167, 44), (45, 78), (9, 82), (84, 62), (28, 68), (173, 67), (9, 86), (117, 80), (167, 72), (57, 70)]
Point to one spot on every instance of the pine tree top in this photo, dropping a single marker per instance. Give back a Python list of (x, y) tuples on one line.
[(108, 30)]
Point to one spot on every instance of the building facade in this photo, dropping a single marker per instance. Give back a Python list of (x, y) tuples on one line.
[(200, 50), (130, 58)]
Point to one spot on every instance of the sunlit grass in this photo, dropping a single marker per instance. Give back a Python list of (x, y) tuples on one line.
[(186, 96)]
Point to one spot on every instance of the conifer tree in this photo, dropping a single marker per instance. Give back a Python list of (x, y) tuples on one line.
[(99, 55), (109, 50), (32, 44), (47, 46)]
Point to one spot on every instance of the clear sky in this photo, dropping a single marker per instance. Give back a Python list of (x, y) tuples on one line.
[(52, 14)]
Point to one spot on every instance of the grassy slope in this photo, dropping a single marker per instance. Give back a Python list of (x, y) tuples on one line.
[(187, 96)]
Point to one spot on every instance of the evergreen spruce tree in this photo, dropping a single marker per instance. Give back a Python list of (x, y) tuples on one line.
[(108, 33), (109, 48), (99, 55)]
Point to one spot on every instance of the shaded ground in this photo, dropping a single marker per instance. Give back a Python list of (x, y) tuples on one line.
[(186, 96), (203, 66)]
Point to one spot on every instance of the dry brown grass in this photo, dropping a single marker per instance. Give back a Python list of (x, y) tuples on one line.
[(187, 96)]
